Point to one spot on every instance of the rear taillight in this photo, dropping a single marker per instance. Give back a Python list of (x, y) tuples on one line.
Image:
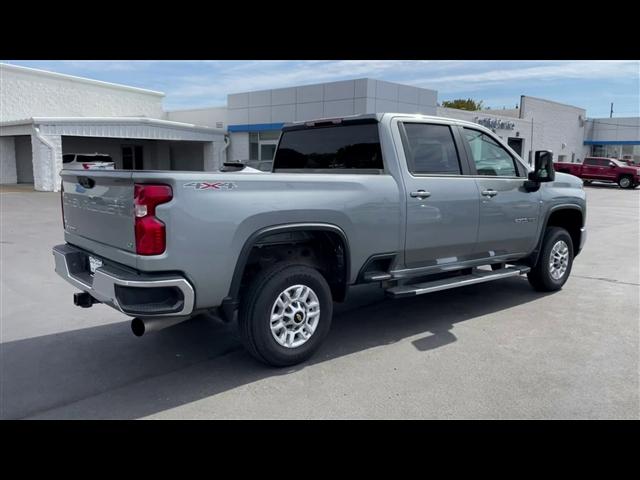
[(150, 232)]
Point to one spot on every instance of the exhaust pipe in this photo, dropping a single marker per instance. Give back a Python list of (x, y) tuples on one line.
[(140, 326)]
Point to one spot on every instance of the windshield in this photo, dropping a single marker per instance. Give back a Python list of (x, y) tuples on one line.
[(619, 162)]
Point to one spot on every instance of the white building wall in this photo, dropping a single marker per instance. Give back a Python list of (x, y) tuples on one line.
[(8, 172), (557, 127), (212, 157), (621, 129), (213, 117), (28, 93), (47, 162), (239, 146)]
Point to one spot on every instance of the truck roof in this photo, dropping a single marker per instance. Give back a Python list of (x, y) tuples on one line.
[(374, 117)]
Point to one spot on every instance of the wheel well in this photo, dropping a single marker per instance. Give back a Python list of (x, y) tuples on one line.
[(571, 220), (323, 250)]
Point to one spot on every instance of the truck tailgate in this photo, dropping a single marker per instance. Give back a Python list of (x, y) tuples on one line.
[(98, 205)]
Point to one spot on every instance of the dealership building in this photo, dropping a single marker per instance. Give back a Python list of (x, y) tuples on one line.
[(45, 115)]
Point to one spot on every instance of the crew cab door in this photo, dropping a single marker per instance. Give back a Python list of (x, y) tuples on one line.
[(442, 205), (609, 170), (509, 214), (592, 168)]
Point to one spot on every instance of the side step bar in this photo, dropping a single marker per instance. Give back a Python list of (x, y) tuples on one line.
[(478, 276), (376, 276)]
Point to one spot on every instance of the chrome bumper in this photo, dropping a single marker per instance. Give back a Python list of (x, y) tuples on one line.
[(102, 284)]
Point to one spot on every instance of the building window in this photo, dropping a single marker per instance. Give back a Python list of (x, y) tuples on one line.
[(597, 151), (262, 148), (619, 151)]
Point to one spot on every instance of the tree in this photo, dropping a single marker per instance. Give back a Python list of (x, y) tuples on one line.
[(462, 104)]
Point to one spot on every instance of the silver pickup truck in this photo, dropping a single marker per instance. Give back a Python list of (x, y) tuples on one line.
[(413, 203)]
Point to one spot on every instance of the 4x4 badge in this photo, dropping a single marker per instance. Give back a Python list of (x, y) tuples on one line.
[(210, 185)]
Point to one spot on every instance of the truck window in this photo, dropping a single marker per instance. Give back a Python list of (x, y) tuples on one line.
[(430, 149), (353, 148), (590, 161), (490, 158)]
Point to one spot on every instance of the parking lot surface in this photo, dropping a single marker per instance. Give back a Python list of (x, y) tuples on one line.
[(496, 350)]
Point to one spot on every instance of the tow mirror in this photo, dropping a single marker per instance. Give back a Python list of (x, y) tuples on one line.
[(543, 170)]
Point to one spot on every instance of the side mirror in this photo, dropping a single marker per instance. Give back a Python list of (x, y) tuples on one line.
[(543, 170)]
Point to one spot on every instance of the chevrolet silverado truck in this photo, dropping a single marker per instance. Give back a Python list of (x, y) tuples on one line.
[(603, 169), (413, 203)]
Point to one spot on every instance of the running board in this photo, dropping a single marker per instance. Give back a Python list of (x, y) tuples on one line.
[(376, 276), (478, 276)]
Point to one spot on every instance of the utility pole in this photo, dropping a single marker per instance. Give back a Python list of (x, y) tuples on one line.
[(531, 158), (611, 112)]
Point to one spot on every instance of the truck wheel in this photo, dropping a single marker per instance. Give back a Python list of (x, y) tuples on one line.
[(285, 314), (625, 182), (554, 264)]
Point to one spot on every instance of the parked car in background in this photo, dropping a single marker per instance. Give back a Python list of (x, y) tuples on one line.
[(602, 169), (87, 161)]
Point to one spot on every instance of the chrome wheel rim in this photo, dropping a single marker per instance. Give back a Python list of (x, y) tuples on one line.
[(625, 182), (294, 316), (559, 260)]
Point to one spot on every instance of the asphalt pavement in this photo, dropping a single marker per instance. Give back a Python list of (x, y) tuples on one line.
[(498, 350)]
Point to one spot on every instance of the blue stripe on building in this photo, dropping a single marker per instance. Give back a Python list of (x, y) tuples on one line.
[(255, 127), (612, 142)]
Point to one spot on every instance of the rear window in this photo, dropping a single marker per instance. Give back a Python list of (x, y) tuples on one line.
[(601, 162), (351, 148), (430, 149)]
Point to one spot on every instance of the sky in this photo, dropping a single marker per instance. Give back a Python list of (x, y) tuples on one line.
[(589, 84)]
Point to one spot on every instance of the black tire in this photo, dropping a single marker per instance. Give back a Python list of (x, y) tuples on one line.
[(540, 276), (586, 182), (255, 313), (625, 182)]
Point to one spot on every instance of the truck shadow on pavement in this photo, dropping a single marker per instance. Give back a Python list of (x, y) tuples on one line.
[(106, 373)]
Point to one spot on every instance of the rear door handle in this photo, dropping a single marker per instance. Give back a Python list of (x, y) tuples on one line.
[(489, 193), (420, 194)]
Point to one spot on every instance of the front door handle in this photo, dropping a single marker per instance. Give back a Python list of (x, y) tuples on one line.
[(420, 194), (489, 193)]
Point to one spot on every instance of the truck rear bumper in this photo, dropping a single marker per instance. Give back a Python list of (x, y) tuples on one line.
[(132, 293)]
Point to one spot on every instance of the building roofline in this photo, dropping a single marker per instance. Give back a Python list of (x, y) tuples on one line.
[(73, 78), (111, 120), (195, 109), (549, 101), (610, 119)]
